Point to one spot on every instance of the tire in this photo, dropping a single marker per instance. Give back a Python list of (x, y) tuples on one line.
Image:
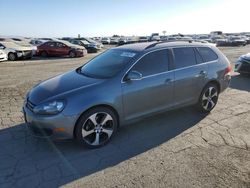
[(208, 98), (72, 54), (96, 127), (12, 56), (44, 54)]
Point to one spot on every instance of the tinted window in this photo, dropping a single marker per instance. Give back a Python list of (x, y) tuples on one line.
[(108, 64), (184, 57), (153, 63), (60, 45), (198, 57), (75, 42), (207, 54), (51, 44)]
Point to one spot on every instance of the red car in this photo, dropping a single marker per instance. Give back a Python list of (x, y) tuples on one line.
[(60, 48)]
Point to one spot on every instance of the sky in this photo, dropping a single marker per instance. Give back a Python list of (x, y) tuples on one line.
[(68, 18)]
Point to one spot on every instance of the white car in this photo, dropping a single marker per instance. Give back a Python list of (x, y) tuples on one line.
[(105, 40), (15, 51), (3, 56)]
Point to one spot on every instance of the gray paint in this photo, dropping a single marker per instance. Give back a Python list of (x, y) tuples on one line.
[(132, 100)]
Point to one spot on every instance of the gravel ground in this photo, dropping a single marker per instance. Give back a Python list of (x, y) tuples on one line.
[(176, 149)]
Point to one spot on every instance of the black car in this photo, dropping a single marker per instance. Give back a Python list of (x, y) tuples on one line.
[(91, 41), (243, 64), (91, 47)]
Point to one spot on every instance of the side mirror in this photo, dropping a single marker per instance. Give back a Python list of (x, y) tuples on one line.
[(133, 75), (2, 47)]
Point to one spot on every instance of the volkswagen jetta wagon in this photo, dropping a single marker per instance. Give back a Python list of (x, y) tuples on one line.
[(125, 84)]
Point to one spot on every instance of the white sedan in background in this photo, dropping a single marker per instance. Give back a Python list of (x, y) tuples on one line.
[(3, 56)]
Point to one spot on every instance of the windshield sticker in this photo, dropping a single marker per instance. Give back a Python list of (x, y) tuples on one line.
[(128, 54)]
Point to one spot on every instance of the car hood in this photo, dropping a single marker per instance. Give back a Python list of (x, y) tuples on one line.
[(77, 47), (12, 45), (59, 85), (245, 58)]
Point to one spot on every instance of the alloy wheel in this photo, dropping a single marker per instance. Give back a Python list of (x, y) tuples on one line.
[(72, 54), (12, 57), (209, 98), (98, 128)]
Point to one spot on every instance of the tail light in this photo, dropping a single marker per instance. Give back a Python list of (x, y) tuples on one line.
[(228, 70)]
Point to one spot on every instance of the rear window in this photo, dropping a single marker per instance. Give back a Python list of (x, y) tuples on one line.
[(207, 54), (184, 57)]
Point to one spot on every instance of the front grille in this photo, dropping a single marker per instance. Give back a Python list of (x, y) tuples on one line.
[(30, 105), (27, 53)]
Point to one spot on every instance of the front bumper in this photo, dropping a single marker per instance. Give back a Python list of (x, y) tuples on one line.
[(3, 58), (55, 127), (24, 54)]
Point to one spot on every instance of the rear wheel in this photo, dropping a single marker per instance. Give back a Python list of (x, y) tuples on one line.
[(96, 127), (44, 54), (12, 56), (208, 98)]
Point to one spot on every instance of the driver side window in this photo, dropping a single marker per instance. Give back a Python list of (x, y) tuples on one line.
[(152, 63)]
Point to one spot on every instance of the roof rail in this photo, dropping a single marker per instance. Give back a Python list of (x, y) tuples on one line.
[(161, 42)]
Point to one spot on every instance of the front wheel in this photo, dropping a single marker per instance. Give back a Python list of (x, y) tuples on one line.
[(208, 98), (12, 56), (96, 127)]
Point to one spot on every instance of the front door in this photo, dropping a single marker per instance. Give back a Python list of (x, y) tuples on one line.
[(154, 91)]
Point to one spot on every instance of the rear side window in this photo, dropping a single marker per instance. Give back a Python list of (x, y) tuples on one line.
[(184, 57), (198, 57), (153, 63), (207, 54)]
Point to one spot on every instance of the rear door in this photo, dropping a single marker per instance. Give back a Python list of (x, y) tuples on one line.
[(154, 92), (62, 49), (51, 48), (189, 75)]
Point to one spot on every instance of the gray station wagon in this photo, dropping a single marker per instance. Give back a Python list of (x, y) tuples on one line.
[(125, 84)]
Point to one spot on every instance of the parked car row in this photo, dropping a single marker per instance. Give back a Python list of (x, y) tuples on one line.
[(216, 37), (23, 48)]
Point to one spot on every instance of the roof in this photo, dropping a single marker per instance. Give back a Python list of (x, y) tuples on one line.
[(148, 46)]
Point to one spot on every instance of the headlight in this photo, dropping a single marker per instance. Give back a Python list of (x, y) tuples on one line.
[(50, 108)]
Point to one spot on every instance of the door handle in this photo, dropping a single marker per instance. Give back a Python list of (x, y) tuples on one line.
[(202, 73), (167, 81)]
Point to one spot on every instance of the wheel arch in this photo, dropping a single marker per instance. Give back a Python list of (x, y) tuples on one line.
[(215, 82), (96, 106)]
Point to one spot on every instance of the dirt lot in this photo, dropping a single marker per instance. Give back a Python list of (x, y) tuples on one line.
[(175, 149)]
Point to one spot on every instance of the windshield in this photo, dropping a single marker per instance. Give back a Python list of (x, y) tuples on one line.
[(107, 64), (90, 40), (85, 42)]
